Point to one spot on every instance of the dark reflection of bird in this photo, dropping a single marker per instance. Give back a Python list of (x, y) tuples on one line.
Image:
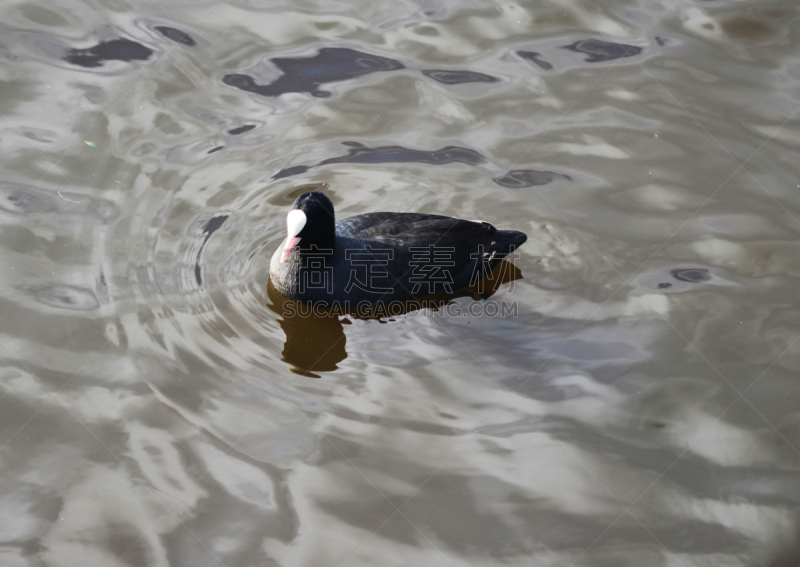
[(315, 341), (315, 338), (381, 258)]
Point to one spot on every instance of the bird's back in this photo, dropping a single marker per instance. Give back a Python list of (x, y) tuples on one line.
[(421, 253), (414, 230)]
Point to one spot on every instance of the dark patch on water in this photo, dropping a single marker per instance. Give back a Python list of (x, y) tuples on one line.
[(24, 200), (533, 57), (67, 297), (599, 50), (664, 285), (306, 74), (113, 50), (211, 227), (691, 275), (176, 35), (517, 178), (747, 28), (393, 154), (218, 148), (241, 129), (449, 154), (214, 225), (101, 288), (457, 77), (291, 171)]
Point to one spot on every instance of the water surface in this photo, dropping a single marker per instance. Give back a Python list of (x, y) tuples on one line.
[(638, 408)]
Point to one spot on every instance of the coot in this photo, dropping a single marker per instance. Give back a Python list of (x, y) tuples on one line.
[(379, 258)]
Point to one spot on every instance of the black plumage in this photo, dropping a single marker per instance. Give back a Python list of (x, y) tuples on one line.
[(378, 258)]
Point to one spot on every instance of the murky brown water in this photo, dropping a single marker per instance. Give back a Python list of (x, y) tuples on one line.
[(640, 407)]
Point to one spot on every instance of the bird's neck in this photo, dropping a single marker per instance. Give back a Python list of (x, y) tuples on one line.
[(322, 238), (309, 247)]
